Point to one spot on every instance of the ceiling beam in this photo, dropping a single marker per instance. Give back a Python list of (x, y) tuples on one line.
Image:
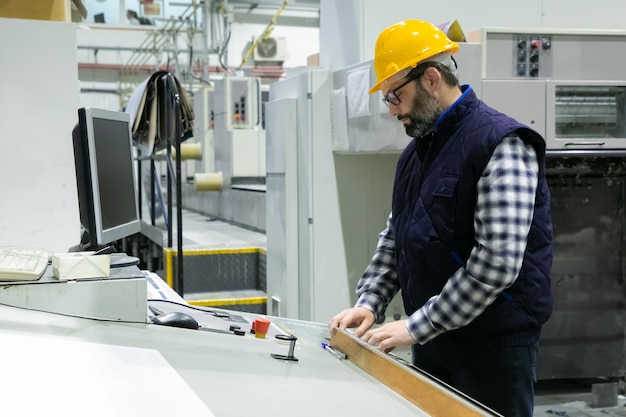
[(263, 19)]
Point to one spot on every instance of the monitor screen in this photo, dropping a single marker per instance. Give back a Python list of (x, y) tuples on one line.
[(105, 177)]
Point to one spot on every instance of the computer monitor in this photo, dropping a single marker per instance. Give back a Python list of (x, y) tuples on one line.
[(105, 177), (98, 18)]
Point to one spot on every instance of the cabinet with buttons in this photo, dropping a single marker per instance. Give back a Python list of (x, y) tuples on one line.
[(531, 51)]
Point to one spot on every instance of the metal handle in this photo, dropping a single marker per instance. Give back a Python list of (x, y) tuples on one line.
[(258, 102), (292, 344), (585, 144)]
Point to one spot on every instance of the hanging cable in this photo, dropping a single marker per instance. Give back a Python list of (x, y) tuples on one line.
[(266, 33), (221, 54)]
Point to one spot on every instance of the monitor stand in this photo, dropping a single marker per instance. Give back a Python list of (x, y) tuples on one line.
[(120, 259), (85, 246)]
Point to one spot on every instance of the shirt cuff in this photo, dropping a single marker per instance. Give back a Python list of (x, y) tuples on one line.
[(420, 327), (372, 302)]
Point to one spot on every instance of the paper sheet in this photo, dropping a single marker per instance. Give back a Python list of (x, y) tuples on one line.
[(47, 376), (133, 102), (358, 97), (134, 107)]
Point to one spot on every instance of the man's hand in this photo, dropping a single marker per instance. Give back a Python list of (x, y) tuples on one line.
[(359, 317), (389, 336)]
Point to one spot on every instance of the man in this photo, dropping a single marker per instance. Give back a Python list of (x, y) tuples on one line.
[(135, 19), (469, 237)]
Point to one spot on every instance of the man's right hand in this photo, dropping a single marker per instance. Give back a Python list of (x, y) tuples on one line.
[(359, 317)]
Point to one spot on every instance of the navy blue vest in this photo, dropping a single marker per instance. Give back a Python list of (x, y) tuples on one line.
[(434, 199)]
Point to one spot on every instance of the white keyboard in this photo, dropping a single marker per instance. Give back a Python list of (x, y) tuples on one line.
[(22, 264)]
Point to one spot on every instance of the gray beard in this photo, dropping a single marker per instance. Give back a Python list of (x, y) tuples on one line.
[(417, 129), (423, 115)]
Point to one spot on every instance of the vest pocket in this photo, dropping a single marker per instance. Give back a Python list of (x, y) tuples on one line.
[(443, 208)]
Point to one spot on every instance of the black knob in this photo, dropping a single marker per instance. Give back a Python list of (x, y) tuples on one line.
[(534, 71), (534, 56), (521, 43), (545, 43)]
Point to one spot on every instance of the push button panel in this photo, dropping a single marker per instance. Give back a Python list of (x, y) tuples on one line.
[(532, 52)]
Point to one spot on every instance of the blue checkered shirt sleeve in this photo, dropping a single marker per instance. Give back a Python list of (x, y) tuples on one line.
[(504, 211)]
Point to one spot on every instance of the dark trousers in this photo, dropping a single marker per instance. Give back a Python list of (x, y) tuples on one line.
[(502, 379)]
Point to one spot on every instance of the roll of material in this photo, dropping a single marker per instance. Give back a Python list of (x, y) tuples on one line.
[(208, 181), (189, 151)]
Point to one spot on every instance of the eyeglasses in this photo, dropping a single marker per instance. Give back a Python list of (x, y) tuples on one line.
[(392, 96)]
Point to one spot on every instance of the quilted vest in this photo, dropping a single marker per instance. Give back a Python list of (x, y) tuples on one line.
[(433, 222)]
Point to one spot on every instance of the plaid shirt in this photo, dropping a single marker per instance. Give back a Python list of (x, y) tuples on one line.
[(502, 218)]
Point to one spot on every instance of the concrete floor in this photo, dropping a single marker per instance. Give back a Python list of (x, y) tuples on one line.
[(574, 399), (579, 408)]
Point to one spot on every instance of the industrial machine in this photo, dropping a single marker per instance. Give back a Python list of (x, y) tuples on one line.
[(570, 87), (339, 158), (233, 140)]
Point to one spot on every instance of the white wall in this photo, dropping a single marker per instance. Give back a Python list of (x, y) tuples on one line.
[(114, 11), (354, 25), (38, 102)]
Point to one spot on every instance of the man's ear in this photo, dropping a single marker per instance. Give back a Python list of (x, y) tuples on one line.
[(433, 75), (432, 79)]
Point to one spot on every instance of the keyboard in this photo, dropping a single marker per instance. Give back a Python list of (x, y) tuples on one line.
[(22, 264)]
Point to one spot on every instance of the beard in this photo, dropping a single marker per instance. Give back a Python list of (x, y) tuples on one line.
[(423, 115)]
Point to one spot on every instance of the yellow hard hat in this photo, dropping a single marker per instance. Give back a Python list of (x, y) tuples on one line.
[(404, 45)]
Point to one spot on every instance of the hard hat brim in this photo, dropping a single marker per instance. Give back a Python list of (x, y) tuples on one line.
[(441, 57)]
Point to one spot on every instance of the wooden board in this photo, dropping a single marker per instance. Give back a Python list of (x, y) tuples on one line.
[(430, 395), (58, 10)]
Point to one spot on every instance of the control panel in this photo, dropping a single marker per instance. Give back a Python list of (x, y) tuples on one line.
[(532, 53)]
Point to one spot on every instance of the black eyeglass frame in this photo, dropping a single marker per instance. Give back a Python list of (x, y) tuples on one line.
[(392, 96)]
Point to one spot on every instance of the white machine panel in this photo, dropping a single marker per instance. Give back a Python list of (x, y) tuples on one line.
[(526, 101)]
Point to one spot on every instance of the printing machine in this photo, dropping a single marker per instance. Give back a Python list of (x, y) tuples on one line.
[(571, 87), (338, 148)]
